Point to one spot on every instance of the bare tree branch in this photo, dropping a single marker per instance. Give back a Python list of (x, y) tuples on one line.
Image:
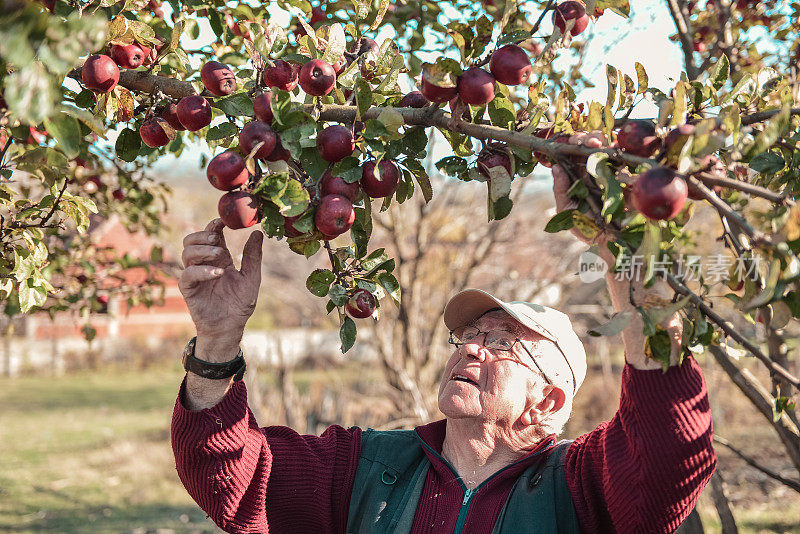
[(793, 484), (686, 36)]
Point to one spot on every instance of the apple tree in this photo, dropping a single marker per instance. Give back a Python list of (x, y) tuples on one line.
[(319, 118)]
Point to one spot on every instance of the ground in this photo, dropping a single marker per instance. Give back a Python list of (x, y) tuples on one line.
[(89, 452)]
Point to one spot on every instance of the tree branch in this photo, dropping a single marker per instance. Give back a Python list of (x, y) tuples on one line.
[(685, 33), (752, 463), (139, 80), (731, 331)]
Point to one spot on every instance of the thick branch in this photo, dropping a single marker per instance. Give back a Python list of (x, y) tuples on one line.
[(687, 39), (752, 463), (762, 401), (138, 80), (739, 185)]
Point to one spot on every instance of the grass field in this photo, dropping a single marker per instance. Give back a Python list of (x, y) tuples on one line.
[(89, 452)]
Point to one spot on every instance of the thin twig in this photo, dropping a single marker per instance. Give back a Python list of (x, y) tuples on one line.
[(731, 331), (739, 185), (793, 484)]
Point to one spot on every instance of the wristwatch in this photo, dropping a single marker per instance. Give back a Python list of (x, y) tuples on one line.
[(235, 367)]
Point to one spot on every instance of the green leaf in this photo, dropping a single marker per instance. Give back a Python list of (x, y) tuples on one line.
[(347, 334), (390, 284), (560, 221), (363, 96), (338, 294), (613, 79), (452, 165), (502, 113), (642, 79), (319, 282), (422, 177), (128, 144), (336, 43), (721, 72), (67, 133), (236, 105), (221, 131), (613, 327), (768, 163)]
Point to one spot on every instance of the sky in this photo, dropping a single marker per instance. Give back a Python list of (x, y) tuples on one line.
[(614, 40)]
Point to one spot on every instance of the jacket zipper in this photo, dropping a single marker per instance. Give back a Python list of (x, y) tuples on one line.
[(468, 493)]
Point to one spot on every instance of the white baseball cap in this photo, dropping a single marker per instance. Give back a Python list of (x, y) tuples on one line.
[(554, 325)]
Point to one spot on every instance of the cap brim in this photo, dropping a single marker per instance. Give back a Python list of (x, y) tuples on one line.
[(470, 304)]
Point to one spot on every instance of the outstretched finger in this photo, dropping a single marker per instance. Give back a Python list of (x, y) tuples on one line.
[(560, 187), (251, 257), (197, 274)]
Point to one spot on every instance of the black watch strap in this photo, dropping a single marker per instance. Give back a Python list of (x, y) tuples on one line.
[(216, 371)]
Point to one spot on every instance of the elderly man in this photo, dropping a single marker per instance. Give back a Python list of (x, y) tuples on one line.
[(493, 465)]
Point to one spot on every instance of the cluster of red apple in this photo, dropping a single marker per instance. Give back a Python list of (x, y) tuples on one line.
[(100, 72), (508, 65)]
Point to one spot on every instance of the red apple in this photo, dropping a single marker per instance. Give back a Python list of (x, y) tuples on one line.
[(361, 304), (382, 183), (571, 10), (170, 114), (118, 194), (335, 215), (262, 106), (317, 77), (238, 209), (152, 132), (100, 73), (494, 155), (193, 112), (638, 137), (414, 99), (128, 56), (281, 75), (476, 86), (279, 153), (659, 193), (317, 15), (219, 79), (335, 185), (288, 226), (227, 171), (335, 143), (510, 65), (258, 132), (340, 65), (436, 93)]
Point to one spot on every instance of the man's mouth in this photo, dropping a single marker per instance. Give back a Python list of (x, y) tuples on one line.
[(458, 377)]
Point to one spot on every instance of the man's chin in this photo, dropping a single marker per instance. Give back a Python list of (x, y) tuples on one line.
[(456, 406)]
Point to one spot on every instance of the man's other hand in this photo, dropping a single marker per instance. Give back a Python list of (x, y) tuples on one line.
[(220, 298)]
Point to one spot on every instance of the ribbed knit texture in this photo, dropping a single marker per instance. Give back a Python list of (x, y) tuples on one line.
[(643, 471), (225, 461), (640, 472)]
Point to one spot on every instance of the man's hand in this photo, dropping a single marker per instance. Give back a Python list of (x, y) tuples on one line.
[(220, 298), (620, 290)]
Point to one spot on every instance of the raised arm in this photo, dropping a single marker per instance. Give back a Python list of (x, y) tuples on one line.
[(220, 299), (643, 470), (247, 478)]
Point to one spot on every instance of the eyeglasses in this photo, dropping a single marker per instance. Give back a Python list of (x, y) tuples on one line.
[(494, 339)]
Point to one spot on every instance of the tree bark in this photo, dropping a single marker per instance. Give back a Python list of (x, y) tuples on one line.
[(722, 505)]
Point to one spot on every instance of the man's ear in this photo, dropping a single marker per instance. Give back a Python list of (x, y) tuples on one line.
[(553, 399)]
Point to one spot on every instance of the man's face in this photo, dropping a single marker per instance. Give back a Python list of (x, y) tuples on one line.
[(499, 386)]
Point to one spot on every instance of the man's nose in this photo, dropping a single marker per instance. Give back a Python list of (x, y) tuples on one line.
[(475, 351)]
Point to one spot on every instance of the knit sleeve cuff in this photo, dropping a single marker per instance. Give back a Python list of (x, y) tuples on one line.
[(225, 417), (679, 381)]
